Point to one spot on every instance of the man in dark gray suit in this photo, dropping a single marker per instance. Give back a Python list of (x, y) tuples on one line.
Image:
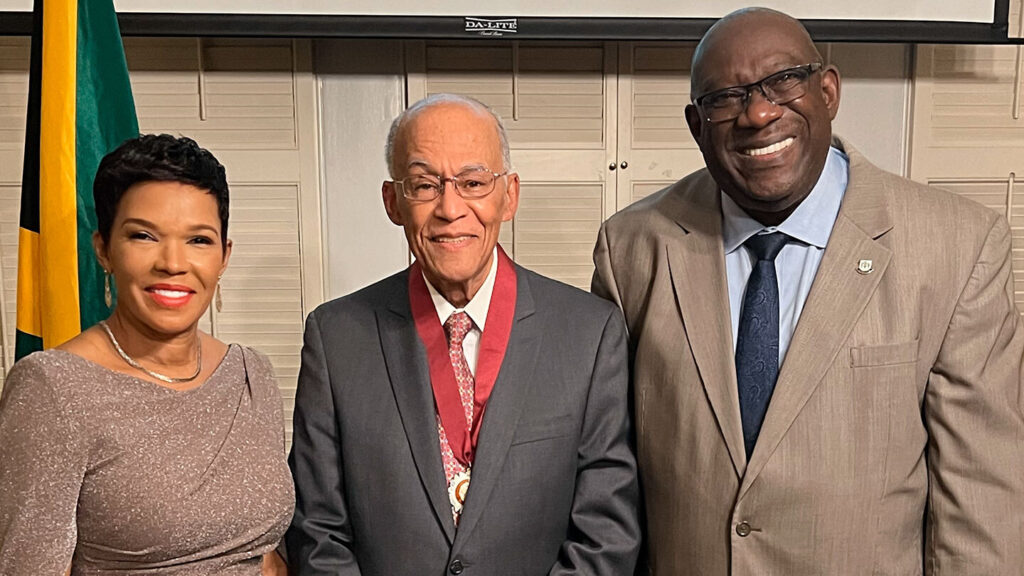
[(464, 416)]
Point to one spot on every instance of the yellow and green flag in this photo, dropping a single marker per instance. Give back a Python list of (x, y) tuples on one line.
[(80, 108)]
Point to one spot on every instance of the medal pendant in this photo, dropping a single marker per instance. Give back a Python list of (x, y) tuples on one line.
[(457, 490)]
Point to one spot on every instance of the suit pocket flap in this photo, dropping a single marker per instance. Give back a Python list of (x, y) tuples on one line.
[(543, 429), (884, 354)]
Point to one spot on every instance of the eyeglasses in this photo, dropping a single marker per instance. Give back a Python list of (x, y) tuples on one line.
[(780, 88), (471, 184)]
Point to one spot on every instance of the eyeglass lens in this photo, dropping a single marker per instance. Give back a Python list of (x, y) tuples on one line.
[(780, 88), (470, 184)]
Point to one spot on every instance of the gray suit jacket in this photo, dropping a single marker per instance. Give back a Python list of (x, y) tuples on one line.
[(554, 487), (894, 440)]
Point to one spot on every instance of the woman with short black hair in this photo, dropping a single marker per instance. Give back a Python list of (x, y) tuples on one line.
[(144, 444)]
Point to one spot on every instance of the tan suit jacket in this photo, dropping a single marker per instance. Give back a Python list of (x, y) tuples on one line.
[(893, 442)]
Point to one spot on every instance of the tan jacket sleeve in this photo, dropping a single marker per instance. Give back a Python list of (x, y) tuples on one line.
[(972, 408)]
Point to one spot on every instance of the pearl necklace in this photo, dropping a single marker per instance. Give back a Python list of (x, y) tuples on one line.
[(134, 364)]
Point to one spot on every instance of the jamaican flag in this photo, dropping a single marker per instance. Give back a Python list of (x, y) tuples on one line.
[(80, 107)]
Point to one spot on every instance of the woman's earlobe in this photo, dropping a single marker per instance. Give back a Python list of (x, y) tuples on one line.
[(100, 249)]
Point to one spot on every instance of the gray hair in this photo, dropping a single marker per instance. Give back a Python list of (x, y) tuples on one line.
[(443, 98)]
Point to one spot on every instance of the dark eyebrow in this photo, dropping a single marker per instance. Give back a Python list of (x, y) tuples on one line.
[(147, 224)]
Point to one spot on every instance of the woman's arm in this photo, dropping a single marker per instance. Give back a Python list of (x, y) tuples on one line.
[(43, 457), (273, 565)]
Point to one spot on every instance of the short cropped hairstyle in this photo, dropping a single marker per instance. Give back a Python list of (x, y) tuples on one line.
[(157, 158), (434, 100)]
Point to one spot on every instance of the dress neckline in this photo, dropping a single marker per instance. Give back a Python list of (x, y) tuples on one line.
[(143, 381)]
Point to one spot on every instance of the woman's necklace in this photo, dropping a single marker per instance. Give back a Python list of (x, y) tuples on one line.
[(131, 361)]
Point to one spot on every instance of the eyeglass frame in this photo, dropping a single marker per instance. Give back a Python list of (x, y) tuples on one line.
[(400, 184), (811, 68)]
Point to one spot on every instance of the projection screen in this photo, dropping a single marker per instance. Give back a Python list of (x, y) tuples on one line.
[(882, 20), (978, 11)]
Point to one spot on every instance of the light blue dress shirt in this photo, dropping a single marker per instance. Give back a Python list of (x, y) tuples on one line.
[(808, 227)]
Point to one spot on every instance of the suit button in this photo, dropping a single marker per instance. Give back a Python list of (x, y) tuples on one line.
[(456, 568), (743, 529)]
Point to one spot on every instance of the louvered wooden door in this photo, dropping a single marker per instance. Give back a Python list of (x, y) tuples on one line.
[(968, 130), (14, 62), (654, 144)]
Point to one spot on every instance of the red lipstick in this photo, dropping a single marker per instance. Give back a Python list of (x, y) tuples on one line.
[(170, 295)]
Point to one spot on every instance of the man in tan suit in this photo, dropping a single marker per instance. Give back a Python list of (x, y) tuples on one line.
[(854, 408)]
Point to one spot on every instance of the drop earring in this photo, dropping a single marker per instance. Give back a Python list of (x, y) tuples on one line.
[(108, 298), (217, 302)]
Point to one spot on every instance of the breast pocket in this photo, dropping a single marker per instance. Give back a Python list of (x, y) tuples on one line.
[(537, 430), (877, 355), (890, 369)]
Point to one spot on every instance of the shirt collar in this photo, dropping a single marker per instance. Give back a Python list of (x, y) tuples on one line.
[(477, 307), (811, 222)]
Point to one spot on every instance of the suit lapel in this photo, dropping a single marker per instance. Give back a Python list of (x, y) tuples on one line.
[(697, 266), (503, 408), (407, 367), (836, 300)]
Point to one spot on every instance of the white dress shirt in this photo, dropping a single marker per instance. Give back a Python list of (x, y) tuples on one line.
[(809, 227), (476, 308)]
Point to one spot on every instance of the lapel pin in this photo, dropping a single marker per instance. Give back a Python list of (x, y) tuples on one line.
[(865, 267)]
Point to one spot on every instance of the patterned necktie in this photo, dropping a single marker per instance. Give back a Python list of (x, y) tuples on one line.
[(456, 328), (757, 340)]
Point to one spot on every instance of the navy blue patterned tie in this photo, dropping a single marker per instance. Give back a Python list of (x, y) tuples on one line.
[(757, 340)]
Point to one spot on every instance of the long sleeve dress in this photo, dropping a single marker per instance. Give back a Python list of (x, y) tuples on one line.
[(112, 474)]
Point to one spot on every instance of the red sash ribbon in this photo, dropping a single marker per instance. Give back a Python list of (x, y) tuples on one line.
[(493, 342)]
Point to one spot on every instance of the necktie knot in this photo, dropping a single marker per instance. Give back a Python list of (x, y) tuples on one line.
[(456, 327), (766, 246)]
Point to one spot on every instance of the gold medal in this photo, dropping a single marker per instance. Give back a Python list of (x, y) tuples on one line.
[(457, 490)]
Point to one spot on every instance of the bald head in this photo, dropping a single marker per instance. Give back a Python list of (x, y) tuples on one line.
[(486, 113), (745, 31), (767, 147)]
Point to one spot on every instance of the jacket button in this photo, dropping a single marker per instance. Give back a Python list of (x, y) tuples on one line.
[(456, 568), (743, 529)]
